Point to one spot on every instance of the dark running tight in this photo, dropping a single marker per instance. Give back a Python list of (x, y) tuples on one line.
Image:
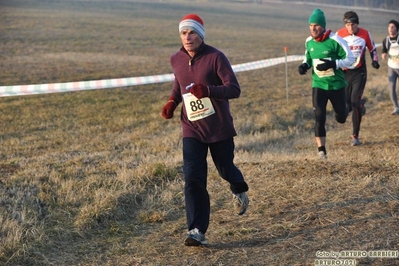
[(393, 75), (320, 98), (356, 79)]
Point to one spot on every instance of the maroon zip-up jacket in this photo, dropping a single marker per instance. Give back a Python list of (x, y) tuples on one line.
[(211, 68)]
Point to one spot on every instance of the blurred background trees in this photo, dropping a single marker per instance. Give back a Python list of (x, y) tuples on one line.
[(383, 4)]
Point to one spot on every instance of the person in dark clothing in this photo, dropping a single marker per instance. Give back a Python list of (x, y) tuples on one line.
[(204, 82), (327, 54), (358, 40), (390, 50)]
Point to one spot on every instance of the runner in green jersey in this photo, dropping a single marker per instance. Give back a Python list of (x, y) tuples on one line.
[(327, 55)]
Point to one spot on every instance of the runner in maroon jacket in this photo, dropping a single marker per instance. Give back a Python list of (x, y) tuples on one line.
[(204, 83), (358, 40)]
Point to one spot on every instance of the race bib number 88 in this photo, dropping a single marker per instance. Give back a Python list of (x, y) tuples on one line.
[(197, 108)]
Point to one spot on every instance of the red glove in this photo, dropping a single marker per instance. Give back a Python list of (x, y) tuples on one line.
[(200, 91), (169, 108)]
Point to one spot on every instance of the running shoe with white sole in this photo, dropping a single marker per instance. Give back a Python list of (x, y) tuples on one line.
[(195, 238), (322, 155), (396, 111), (355, 141), (241, 202)]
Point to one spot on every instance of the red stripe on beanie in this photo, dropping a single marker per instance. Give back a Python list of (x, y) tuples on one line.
[(193, 17), (193, 22)]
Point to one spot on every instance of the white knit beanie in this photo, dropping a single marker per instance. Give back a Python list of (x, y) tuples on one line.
[(193, 22)]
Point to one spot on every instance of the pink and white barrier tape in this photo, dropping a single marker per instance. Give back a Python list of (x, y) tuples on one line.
[(125, 82)]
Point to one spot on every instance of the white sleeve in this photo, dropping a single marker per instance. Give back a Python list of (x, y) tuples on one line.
[(349, 59)]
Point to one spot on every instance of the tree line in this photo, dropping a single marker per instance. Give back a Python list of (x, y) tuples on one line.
[(384, 4)]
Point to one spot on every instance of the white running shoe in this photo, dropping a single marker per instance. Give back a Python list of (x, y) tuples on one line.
[(195, 238), (322, 155), (241, 202), (355, 141)]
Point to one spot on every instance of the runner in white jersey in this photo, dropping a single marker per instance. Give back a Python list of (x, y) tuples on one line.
[(390, 49), (358, 39)]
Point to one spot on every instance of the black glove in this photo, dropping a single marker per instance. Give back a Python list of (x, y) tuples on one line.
[(326, 65), (302, 69), (375, 64)]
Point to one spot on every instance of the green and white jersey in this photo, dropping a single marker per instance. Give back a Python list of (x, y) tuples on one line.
[(332, 48)]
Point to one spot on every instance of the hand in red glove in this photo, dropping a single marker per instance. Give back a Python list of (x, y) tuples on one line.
[(200, 91), (169, 108)]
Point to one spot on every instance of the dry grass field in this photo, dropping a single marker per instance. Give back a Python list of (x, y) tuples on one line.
[(94, 177)]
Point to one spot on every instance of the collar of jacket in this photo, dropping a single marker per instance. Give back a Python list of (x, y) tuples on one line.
[(200, 49), (323, 37)]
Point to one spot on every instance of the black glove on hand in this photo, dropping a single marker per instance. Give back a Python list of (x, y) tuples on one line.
[(375, 64), (326, 65), (302, 69)]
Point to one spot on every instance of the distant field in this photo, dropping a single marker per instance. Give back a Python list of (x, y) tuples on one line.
[(60, 41), (94, 177)]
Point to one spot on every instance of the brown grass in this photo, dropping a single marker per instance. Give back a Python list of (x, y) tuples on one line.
[(95, 177)]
